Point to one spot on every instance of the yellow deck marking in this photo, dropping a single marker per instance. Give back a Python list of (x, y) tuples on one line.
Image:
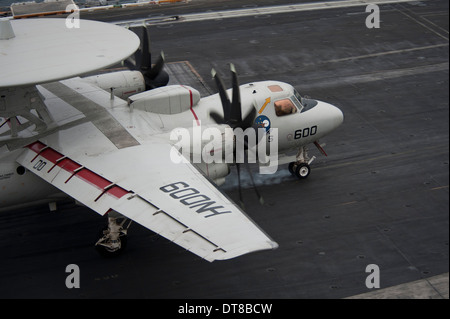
[(441, 187)]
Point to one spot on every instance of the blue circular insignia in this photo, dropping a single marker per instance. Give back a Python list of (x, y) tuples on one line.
[(263, 122)]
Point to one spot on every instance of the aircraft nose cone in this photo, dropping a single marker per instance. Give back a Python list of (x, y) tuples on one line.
[(338, 116), (335, 117)]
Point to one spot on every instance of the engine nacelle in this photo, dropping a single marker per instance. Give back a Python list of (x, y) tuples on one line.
[(207, 143), (209, 148), (215, 171), (170, 99), (123, 83)]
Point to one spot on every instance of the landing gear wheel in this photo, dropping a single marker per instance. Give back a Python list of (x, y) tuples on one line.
[(291, 168), (113, 238), (302, 170), (108, 247)]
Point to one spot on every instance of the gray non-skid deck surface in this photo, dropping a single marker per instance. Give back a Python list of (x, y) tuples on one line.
[(380, 197), (183, 73)]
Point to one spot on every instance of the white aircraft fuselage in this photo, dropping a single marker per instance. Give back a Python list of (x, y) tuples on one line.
[(307, 124)]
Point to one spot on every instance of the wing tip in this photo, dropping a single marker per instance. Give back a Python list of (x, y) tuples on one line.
[(268, 245), (274, 244)]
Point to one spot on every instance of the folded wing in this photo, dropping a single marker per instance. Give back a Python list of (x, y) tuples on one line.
[(143, 184)]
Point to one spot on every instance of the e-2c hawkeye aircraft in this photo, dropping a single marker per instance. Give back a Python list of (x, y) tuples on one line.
[(105, 140)]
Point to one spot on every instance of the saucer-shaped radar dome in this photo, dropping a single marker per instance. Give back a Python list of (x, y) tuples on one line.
[(36, 51)]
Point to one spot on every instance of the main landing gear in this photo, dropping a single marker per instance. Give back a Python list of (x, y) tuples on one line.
[(300, 167), (113, 238)]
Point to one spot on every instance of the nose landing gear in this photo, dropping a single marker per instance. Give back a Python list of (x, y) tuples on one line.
[(301, 168)]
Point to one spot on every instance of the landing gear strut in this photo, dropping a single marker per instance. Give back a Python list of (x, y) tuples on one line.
[(113, 238), (301, 168)]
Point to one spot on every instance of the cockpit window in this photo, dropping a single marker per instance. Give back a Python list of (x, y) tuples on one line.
[(298, 100), (284, 107), (297, 95), (275, 88)]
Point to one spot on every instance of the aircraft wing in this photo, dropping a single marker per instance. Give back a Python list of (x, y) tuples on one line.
[(141, 182)]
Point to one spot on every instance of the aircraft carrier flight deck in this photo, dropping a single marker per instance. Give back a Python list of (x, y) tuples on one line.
[(380, 197)]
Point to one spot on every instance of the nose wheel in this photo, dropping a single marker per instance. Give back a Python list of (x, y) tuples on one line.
[(300, 170)]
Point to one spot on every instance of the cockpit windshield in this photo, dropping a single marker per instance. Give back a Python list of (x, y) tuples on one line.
[(297, 98)]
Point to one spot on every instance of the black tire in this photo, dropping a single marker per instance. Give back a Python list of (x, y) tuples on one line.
[(291, 168), (302, 170)]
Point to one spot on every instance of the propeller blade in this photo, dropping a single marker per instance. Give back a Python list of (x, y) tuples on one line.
[(248, 120), (226, 104), (232, 111), (261, 199), (156, 76), (232, 115), (241, 202), (129, 63), (241, 198), (217, 118), (138, 55), (146, 57), (141, 61), (236, 108), (153, 72)]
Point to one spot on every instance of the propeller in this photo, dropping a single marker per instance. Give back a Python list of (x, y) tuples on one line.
[(232, 110), (232, 116), (141, 61)]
